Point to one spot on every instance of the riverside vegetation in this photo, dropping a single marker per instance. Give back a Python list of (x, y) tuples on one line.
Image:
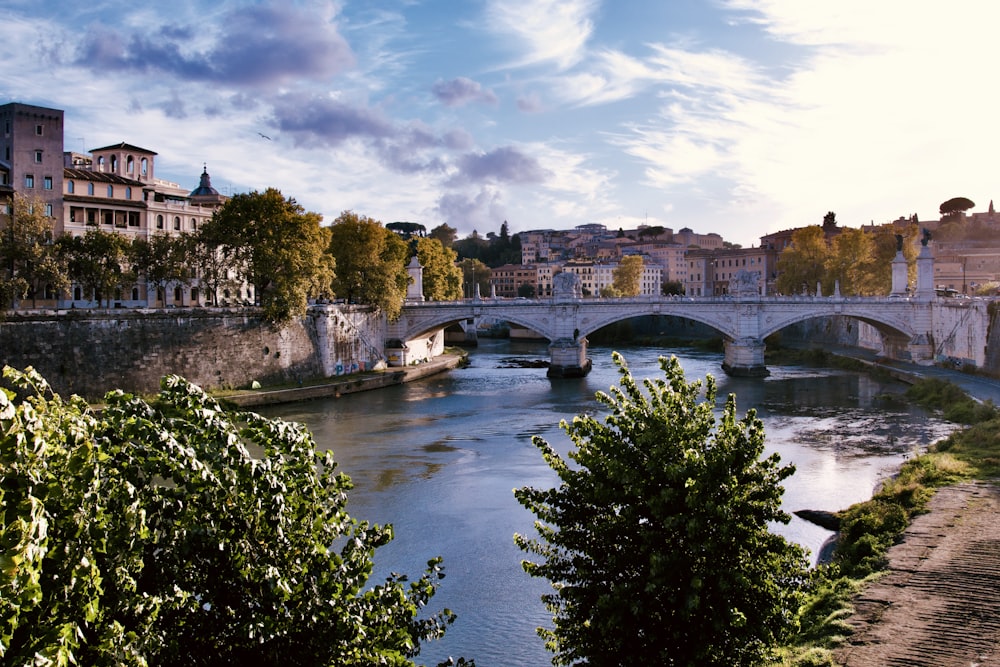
[(105, 514)]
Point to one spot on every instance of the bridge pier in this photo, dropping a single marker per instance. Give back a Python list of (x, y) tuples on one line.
[(568, 358), (745, 358)]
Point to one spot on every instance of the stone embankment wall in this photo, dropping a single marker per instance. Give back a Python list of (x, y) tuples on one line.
[(88, 352)]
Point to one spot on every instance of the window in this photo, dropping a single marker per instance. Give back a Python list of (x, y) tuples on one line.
[(177, 222), (90, 188), (100, 163), (159, 222), (48, 210), (114, 164), (111, 191), (47, 182), (29, 181), (130, 164), (194, 224), (38, 130), (144, 166), (128, 192), (70, 187), (38, 157)]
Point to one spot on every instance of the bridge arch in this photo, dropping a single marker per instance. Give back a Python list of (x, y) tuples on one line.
[(886, 325), (650, 310)]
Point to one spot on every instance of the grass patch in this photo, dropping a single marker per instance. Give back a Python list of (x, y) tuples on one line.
[(953, 404)]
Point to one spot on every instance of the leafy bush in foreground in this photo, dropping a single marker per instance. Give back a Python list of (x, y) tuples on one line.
[(656, 539), (147, 534)]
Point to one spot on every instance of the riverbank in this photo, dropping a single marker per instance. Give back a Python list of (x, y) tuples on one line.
[(348, 384), (938, 603), (937, 600)]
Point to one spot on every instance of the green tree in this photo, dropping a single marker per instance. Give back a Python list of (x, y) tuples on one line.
[(672, 287), (29, 260), (609, 292), (444, 233), (651, 232), (160, 260), (955, 207), (802, 264), (851, 263), (656, 539), (879, 276), (171, 533), (99, 262), (474, 272), (407, 230), (442, 278), (627, 276), (214, 270), (371, 263), (472, 246), (279, 246)]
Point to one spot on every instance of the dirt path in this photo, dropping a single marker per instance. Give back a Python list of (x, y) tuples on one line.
[(939, 605)]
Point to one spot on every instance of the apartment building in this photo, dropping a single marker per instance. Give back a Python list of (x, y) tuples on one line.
[(596, 275), (113, 188), (507, 280)]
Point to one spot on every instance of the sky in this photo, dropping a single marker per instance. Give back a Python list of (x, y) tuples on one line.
[(738, 117)]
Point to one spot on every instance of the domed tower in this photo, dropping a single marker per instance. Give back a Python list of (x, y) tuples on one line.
[(205, 195)]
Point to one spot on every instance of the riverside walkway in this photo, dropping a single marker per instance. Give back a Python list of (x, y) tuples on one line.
[(939, 603)]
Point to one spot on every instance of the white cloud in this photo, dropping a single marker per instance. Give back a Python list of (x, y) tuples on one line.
[(887, 112), (552, 31)]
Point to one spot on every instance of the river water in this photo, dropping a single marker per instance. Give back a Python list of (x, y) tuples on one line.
[(439, 459)]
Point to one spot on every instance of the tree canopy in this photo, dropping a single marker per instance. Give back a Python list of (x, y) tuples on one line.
[(162, 259), (442, 278), (656, 539), (371, 263), (407, 229), (444, 233), (28, 257), (801, 265), (172, 533), (955, 205), (860, 261), (278, 246), (474, 272), (627, 276), (98, 261)]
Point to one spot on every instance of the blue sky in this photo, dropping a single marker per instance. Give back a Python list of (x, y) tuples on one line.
[(738, 117)]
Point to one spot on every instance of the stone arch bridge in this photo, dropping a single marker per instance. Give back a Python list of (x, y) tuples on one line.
[(906, 324)]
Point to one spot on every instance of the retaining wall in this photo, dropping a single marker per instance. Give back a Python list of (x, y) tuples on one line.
[(88, 352)]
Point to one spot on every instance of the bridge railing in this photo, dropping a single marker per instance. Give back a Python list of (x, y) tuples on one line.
[(672, 299)]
